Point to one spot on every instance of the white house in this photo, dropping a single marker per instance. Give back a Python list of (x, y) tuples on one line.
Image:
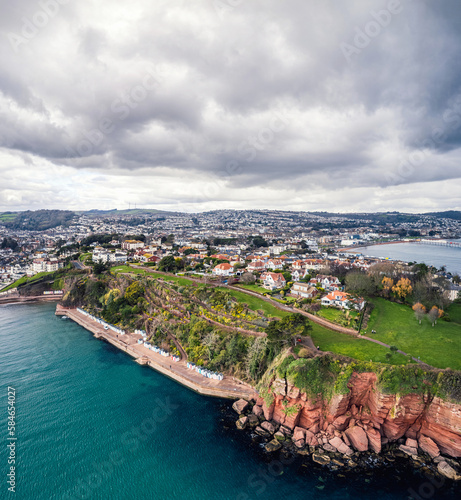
[(273, 281), (223, 269), (303, 290)]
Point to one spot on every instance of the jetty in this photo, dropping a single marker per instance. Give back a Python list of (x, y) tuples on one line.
[(439, 243), (229, 387)]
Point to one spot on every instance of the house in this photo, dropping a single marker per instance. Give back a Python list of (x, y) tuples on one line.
[(343, 300), (256, 265), (298, 265), (303, 290), (274, 264), (326, 282), (132, 244), (338, 299), (273, 281), (148, 257), (223, 269)]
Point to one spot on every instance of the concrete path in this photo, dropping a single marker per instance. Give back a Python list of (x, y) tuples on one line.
[(229, 387)]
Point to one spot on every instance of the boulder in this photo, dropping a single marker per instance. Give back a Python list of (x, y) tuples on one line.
[(358, 438), (341, 446), (315, 429), (428, 446), (413, 452), (328, 447), (253, 420), (257, 410), (240, 406), (320, 459), (448, 471), (272, 446), (374, 439), (269, 427), (242, 423), (311, 440), (279, 436), (412, 443), (261, 432), (341, 422), (299, 437)]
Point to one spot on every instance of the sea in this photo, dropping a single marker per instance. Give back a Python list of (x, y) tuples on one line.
[(90, 423), (432, 255)]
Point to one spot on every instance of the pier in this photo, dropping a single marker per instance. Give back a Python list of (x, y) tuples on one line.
[(439, 243)]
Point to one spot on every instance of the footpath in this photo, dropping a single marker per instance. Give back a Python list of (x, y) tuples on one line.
[(229, 387)]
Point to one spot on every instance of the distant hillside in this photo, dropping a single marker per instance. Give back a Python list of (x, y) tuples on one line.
[(449, 214), (132, 211), (38, 220)]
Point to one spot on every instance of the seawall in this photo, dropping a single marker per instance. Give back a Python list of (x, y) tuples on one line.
[(227, 388)]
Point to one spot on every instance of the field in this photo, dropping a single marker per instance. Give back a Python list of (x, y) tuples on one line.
[(255, 303), (439, 346), (253, 288), (143, 272), (25, 279), (7, 216), (357, 348), (332, 314)]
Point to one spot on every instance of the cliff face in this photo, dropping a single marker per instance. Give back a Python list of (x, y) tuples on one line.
[(367, 419)]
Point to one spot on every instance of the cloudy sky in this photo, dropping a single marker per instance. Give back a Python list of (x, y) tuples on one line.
[(174, 104)]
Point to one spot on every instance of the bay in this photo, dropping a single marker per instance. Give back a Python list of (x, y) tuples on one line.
[(437, 256)]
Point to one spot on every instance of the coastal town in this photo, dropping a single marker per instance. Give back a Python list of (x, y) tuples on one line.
[(310, 252)]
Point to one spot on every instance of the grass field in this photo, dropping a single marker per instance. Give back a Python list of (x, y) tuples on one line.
[(332, 314), (25, 279), (7, 217), (357, 348), (143, 272), (253, 288), (255, 303), (439, 346)]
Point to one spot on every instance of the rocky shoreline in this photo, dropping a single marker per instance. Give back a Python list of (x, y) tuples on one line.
[(341, 447)]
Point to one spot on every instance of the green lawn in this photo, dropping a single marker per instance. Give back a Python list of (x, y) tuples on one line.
[(25, 279), (255, 303), (253, 288), (357, 348), (454, 312), (332, 314), (395, 324), (143, 272)]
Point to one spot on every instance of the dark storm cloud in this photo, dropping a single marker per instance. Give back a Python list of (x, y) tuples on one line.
[(289, 94)]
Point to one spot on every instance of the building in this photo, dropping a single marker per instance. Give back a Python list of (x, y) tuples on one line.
[(273, 281), (223, 269), (303, 290), (132, 244), (342, 300)]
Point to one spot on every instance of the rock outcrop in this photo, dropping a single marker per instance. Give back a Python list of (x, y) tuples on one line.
[(363, 419)]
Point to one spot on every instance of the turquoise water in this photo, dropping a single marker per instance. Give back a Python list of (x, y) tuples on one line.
[(410, 252), (92, 424)]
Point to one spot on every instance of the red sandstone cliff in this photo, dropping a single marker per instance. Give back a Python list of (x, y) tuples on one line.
[(366, 419)]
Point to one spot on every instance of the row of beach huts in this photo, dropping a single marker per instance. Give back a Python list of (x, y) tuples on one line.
[(107, 326)]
